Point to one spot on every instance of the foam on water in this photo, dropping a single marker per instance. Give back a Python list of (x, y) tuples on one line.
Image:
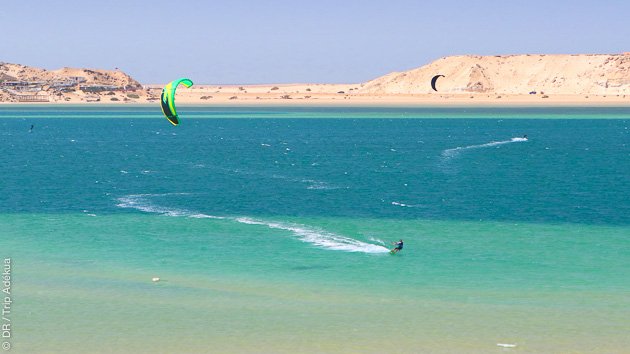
[(448, 153), (141, 202), (377, 240), (402, 205), (205, 216), (310, 183), (319, 238), (314, 184)]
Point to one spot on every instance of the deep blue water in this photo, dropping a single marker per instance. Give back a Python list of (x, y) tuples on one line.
[(569, 170)]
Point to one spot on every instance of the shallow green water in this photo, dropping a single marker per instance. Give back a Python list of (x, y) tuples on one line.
[(270, 235)]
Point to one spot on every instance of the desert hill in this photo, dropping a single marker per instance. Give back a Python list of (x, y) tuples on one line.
[(513, 74), (19, 72), (23, 83)]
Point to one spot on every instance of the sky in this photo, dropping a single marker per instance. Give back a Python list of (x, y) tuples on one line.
[(295, 41)]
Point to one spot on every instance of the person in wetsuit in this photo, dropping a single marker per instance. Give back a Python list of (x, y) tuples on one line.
[(399, 246)]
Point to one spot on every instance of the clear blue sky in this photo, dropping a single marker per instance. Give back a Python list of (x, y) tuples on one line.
[(281, 41)]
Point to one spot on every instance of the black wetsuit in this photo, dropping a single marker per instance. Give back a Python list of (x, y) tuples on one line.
[(399, 245)]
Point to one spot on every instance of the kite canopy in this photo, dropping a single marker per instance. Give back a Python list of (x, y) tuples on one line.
[(433, 80), (168, 99)]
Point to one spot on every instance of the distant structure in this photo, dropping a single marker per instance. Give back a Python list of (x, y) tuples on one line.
[(24, 86), (100, 88), (30, 91), (67, 85), (32, 98)]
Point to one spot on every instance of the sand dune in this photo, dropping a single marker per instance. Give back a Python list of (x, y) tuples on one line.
[(513, 74)]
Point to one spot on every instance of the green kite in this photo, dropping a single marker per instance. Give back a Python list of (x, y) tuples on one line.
[(168, 99)]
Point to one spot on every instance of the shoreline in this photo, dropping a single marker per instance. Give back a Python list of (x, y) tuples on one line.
[(323, 111), (425, 101)]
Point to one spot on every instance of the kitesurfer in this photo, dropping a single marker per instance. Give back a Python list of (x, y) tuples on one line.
[(399, 246)]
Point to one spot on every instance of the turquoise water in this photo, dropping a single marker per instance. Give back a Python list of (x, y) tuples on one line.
[(271, 235)]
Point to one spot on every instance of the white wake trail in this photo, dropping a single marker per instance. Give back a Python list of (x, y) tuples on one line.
[(315, 236), (448, 153)]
